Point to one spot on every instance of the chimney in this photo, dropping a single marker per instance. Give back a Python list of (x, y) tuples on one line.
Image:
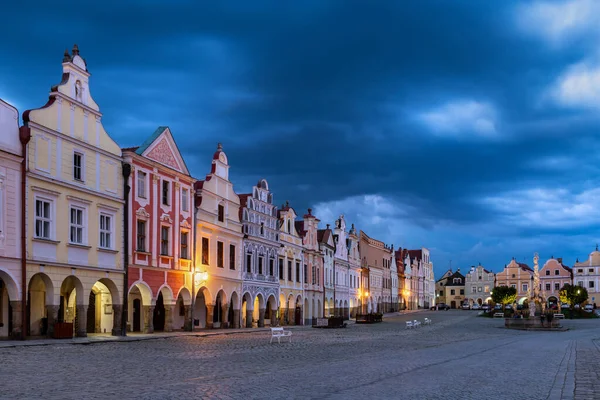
[(559, 259), (327, 226), (310, 211)]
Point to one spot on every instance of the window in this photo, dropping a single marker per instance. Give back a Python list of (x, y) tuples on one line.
[(281, 268), (232, 256), (479, 289), (77, 166), (260, 264), (220, 261), (184, 246), (314, 275), (249, 263), (547, 272), (165, 192), (76, 221), (591, 284), (205, 251), (105, 231), (462, 291), (524, 287), (185, 200), (441, 292), (452, 292), (580, 270), (271, 267), (557, 286), (513, 275), (473, 289), (141, 236), (547, 286), (513, 285), (221, 211), (318, 276), (557, 273), (42, 219), (580, 283), (289, 275), (297, 272), (141, 184), (591, 270), (305, 273), (164, 241)]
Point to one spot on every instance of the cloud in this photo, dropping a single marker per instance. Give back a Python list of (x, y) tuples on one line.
[(461, 119), (546, 209), (559, 22), (578, 86)]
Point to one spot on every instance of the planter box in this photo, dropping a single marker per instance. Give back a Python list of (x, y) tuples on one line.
[(63, 330)]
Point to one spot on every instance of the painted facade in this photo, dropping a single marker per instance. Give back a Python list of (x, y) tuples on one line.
[(377, 257), (414, 282), (553, 276), (313, 267), (587, 274), (10, 223), (341, 270), (479, 283), (354, 271), (161, 235), (440, 288), (327, 249), (403, 292), (217, 279), (517, 275), (74, 211), (394, 305), (261, 245), (423, 279), (291, 261), (454, 290)]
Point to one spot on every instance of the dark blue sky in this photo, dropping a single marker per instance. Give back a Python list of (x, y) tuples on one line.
[(469, 127)]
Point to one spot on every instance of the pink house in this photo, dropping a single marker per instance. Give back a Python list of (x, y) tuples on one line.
[(553, 276)]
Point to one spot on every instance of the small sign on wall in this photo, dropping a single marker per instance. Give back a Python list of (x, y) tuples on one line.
[(108, 309)]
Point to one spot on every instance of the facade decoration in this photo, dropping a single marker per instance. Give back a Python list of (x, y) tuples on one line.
[(218, 252), (75, 212), (160, 236), (313, 267), (479, 283), (11, 192), (517, 275), (327, 249), (260, 273), (553, 276), (587, 274), (291, 271)]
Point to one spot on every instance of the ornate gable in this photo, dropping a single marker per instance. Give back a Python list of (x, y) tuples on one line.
[(161, 147)]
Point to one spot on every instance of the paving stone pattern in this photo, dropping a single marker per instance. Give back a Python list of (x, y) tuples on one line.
[(460, 356)]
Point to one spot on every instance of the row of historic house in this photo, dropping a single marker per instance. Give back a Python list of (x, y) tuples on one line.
[(95, 238)]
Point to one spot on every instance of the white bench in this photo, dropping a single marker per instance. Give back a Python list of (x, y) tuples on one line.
[(409, 325), (499, 315), (559, 316), (427, 321), (416, 323), (279, 333)]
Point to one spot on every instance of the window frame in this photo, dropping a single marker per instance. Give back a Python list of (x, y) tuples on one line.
[(205, 250), (110, 232), (144, 235), (220, 254), (184, 246), (185, 200), (141, 176), (165, 242), (81, 226), (232, 257), (165, 197), (49, 219), (220, 213), (78, 168)]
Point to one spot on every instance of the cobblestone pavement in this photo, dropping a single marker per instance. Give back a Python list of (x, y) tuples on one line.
[(460, 356)]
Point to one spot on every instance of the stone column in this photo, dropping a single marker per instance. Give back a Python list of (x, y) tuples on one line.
[(236, 319), (81, 328), (249, 317), (148, 319), (187, 318), (209, 315), (274, 321), (117, 312), (225, 315), (261, 317), (169, 310), (17, 324), (52, 316)]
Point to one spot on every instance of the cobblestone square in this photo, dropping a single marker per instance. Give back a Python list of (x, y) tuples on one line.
[(460, 356)]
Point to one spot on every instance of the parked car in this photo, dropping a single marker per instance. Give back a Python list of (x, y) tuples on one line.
[(498, 307), (508, 307), (476, 307), (466, 306), (441, 306), (588, 308), (565, 306), (486, 307)]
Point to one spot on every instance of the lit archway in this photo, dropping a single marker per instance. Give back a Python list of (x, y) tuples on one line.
[(8, 292), (140, 301), (72, 306), (40, 298), (200, 314)]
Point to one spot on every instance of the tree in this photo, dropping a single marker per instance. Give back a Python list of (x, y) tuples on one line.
[(504, 295), (573, 295)]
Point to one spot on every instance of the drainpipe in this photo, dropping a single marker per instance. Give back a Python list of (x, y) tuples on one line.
[(126, 189), (24, 137)]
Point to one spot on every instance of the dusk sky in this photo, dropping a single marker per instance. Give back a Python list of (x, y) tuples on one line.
[(468, 127)]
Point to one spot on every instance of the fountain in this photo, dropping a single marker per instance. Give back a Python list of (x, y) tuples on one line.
[(537, 308)]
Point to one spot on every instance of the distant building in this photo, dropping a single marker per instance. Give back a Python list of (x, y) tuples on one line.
[(517, 275), (479, 283), (587, 274), (553, 276), (327, 249), (440, 288), (454, 289)]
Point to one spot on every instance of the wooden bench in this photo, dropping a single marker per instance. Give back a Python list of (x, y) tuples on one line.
[(279, 333), (499, 315), (559, 316)]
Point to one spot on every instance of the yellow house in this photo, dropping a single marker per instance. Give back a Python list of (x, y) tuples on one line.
[(74, 212)]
